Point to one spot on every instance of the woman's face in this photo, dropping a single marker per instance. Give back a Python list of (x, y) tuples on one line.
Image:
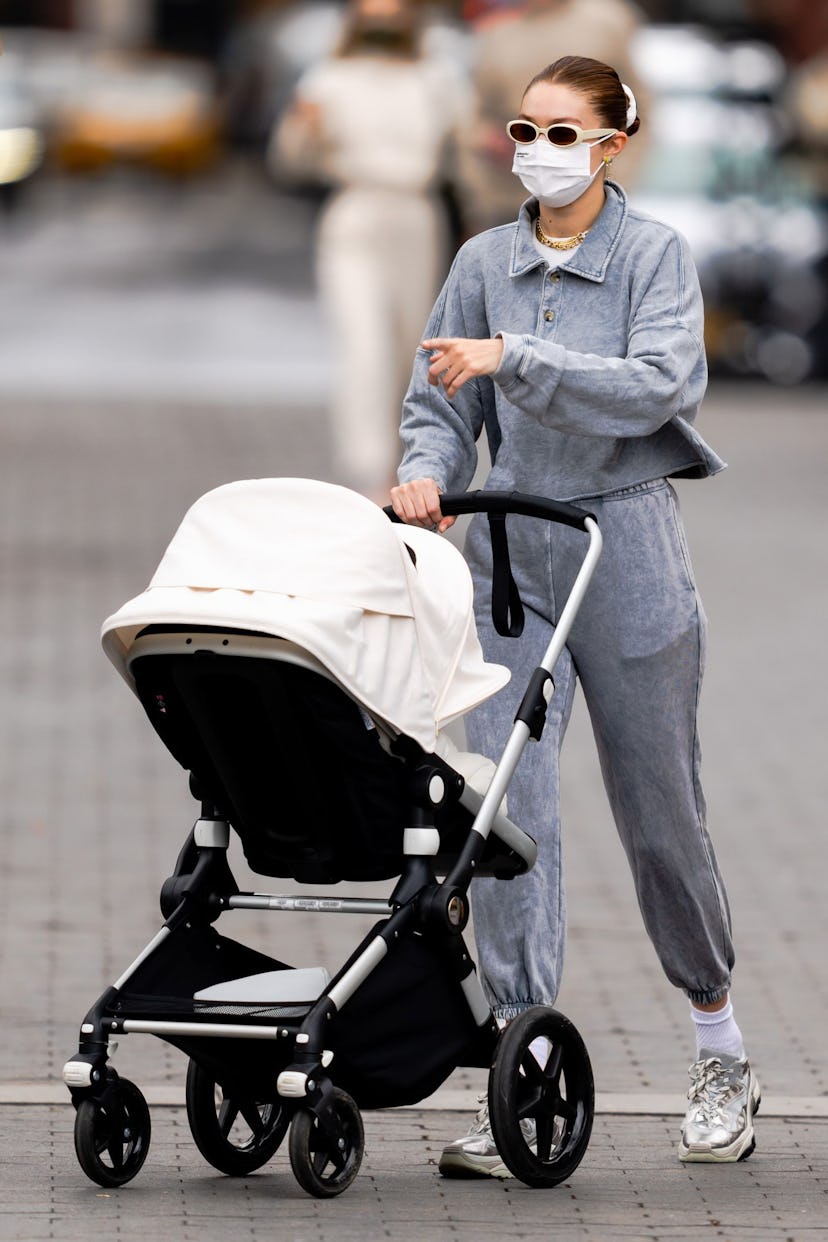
[(551, 103), (381, 12), (384, 25)]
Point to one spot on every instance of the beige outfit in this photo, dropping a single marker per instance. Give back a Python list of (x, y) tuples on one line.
[(507, 56), (385, 126)]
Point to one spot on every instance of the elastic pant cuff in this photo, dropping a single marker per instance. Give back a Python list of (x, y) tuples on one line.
[(505, 1013), (709, 996)]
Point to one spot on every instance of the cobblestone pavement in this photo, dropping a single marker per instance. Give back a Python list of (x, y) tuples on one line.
[(626, 1187)]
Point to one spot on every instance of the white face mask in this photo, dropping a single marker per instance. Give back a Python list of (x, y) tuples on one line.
[(556, 176)]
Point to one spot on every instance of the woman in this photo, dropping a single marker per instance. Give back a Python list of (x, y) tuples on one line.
[(383, 232), (575, 338)]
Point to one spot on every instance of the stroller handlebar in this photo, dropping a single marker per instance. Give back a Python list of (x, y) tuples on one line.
[(453, 504), (507, 608), (518, 503)]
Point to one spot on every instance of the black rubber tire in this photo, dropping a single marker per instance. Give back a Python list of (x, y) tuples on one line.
[(559, 1098), (234, 1132), (112, 1133), (319, 1165)]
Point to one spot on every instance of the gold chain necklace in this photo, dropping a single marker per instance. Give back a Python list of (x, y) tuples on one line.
[(558, 243)]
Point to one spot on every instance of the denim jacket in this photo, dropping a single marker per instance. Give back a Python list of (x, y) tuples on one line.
[(603, 365)]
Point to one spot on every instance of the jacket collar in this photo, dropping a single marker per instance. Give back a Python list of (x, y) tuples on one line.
[(592, 258)]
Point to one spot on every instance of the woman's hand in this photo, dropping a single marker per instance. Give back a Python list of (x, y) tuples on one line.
[(418, 504), (298, 144), (454, 360)]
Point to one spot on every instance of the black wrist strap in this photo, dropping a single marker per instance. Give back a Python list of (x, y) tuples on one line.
[(507, 609)]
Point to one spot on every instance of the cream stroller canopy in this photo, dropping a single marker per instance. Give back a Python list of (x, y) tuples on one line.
[(324, 568)]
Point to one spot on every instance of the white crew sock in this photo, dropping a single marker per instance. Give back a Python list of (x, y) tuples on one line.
[(540, 1049), (717, 1031)]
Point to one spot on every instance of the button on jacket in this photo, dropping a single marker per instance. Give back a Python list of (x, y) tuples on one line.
[(603, 365)]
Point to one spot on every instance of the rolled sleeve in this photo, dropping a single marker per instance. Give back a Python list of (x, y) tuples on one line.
[(517, 356)]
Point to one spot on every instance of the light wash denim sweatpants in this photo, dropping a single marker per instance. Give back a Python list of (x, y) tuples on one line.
[(637, 648)]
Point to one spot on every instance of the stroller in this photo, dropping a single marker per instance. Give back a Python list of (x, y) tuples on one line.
[(299, 655)]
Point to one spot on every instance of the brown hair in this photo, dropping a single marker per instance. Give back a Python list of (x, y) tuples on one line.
[(396, 36), (598, 82)]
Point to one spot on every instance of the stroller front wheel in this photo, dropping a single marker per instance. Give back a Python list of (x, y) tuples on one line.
[(112, 1133), (325, 1155), (234, 1131), (541, 1097)]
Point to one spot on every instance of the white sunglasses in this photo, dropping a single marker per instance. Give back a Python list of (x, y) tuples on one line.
[(524, 132)]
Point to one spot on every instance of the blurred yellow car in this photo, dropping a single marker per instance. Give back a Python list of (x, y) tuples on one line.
[(158, 112)]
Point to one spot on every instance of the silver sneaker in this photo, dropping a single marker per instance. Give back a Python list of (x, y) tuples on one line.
[(475, 1155), (723, 1098)]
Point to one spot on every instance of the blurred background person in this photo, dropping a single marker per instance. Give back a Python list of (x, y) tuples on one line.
[(377, 121), (807, 101), (508, 42)]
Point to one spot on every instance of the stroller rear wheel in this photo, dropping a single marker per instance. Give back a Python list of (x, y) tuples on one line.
[(235, 1132), (325, 1155), (112, 1133), (541, 1097)]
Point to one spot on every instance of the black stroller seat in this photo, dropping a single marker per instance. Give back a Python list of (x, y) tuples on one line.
[(290, 760)]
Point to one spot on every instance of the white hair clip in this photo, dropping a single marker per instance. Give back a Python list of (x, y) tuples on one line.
[(632, 107)]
